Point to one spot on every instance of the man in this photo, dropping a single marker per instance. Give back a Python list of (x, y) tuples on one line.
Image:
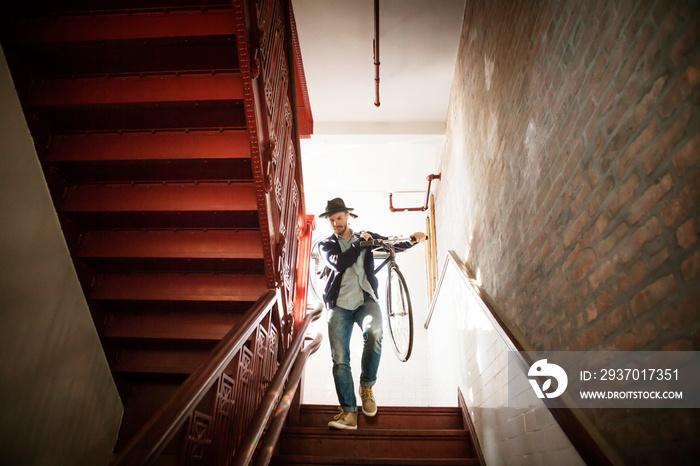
[(351, 297)]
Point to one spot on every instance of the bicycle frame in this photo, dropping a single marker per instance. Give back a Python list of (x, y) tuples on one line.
[(381, 248), (391, 259), (386, 246), (403, 325)]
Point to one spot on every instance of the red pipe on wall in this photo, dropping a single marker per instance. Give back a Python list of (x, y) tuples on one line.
[(430, 179), (302, 276)]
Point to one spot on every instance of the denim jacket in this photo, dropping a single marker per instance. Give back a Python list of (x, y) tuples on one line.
[(338, 261)]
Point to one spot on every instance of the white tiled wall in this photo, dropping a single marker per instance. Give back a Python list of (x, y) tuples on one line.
[(465, 350)]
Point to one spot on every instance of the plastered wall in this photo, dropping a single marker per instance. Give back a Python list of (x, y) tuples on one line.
[(58, 402)]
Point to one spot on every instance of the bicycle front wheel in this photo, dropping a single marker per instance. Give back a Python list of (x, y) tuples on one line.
[(400, 313)]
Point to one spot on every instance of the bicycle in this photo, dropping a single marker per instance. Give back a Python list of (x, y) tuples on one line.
[(398, 308)]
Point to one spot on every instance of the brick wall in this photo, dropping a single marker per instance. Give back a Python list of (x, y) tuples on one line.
[(570, 183)]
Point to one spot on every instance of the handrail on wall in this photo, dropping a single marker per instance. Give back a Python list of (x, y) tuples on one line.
[(159, 430), (430, 179), (514, 343), (581, 438), (267, 406)]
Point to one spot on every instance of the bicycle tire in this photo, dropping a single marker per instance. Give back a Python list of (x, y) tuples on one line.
[(317, 282), (399, 314)]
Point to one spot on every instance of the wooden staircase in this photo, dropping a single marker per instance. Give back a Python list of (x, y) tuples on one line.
[(395, 436), (143, 119)]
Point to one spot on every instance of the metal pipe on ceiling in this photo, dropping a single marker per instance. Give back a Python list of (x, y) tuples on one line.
[(376, 53)]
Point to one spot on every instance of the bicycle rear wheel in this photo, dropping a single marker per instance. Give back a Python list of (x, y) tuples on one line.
[(400, 313), (317, 272)]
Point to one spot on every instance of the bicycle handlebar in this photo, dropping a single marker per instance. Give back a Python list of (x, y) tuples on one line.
[(384, 242)]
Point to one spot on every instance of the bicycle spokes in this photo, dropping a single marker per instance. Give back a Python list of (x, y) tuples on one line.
[(400, 314)]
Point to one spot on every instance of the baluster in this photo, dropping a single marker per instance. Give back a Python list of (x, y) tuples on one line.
[(224, 409), (198, 438), (260, 352), (243, 378)]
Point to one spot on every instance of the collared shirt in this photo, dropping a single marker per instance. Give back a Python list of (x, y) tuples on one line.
[(354, 280)]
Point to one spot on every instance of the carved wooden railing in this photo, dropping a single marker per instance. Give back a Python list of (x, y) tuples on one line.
[(216, 403), (229, 401), (266, 57), (282, 389), (234, 392)]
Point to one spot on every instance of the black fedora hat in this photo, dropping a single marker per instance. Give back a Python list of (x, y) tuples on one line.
[(336, 205)]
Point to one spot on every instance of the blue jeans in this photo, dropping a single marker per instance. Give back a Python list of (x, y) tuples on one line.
[(340, 324)]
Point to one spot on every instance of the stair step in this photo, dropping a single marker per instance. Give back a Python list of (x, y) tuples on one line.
[(379, 443), (136, 89), (179, 287), (129, 56), (159, 361), (187, 307), (178, 244), (247, 219), (154, 116), (389, 417), (147, 394), (152, 157), (149, 171), (171, 325), (181, 266), (149, 146), (323, 460), (119, 26), (168, 197)]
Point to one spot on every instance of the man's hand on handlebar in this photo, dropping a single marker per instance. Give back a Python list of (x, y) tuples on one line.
[(367, 239), (418, 237)]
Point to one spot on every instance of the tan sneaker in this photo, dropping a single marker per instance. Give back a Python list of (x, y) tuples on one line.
[(344, 420), (369, 406)]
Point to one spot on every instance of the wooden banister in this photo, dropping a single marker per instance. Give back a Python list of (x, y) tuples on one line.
[(267, 407), (159, 430)]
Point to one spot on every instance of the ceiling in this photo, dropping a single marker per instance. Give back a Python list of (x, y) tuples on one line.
[(358, 151), (418, 49)]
